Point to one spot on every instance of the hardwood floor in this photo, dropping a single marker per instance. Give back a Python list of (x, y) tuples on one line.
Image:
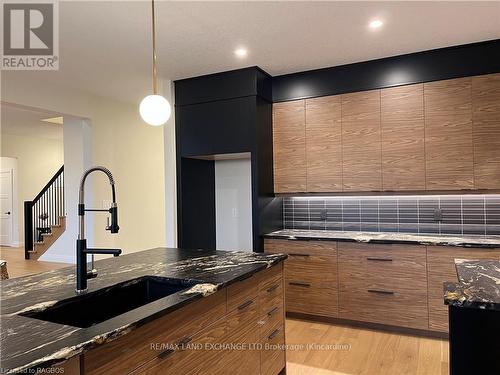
[(366, 352), (17, 266)]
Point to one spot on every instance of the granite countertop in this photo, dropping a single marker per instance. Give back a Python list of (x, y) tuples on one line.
[(386, 237), (478, 286), (28, 343)]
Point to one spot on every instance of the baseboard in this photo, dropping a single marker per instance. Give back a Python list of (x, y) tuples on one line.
[(17, 244)]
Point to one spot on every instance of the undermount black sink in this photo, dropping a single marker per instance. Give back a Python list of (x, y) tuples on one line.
[(103, 304)]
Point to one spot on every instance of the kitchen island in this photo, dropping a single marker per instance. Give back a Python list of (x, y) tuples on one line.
[(474, 309), (222, 297)]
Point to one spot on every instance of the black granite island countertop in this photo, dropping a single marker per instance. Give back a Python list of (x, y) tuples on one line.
[(385, 237), (478, 286), (28, 343)]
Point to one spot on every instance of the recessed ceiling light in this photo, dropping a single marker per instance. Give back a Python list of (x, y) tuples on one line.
[(241, 52), (375, 24), (54, 120)]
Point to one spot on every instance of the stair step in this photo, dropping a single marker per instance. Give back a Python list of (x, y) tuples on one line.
[(31, 251), (38, 243), (47, 234)]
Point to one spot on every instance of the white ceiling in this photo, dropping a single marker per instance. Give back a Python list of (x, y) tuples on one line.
[(26, 122), (105, 47)]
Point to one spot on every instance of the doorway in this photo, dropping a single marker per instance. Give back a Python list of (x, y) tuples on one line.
[(8, 229)]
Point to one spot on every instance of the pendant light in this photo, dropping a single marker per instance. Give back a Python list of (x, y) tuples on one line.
[(155, 109)]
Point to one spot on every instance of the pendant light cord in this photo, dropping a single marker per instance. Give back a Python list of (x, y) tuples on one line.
[(155, 80)]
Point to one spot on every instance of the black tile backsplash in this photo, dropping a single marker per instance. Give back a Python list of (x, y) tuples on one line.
[(437, 214)]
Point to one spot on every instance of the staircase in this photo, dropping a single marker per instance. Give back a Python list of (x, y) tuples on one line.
[(44, 217)]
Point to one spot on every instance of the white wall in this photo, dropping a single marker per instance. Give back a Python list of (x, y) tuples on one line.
[(233, 204), (121, 141), (38, 160)]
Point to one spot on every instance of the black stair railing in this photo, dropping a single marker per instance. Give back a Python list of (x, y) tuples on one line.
[(43, 211)]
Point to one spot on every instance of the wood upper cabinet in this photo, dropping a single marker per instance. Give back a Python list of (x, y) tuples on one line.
[(486, 133), (448, 135), (361, 142), (442, 135), (403, 138), (289, 147), (324, 144)]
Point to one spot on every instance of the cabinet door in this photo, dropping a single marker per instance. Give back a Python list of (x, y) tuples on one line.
[(324, 144), (289, 147), (403, 150), (448, 135), (441, 269), (486, 124), (361, 143)]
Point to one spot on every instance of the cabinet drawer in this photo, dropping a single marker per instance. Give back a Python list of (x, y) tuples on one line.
[(240, 362), (269, 296), (311, 298), (312, 268), (291, 247), (384, 306), (241, 292), (271, 317), (134, 349), (185, 359), (244, 317), (268, 277), (273, 353), (387, 265)]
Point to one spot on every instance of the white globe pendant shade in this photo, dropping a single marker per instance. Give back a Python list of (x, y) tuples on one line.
[(155, 110)]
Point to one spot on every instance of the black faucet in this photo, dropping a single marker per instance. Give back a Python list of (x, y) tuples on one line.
[(82, 275)]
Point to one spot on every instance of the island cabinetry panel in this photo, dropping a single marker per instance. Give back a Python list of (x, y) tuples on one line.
[(403, 138), (217, 334), (289, 147), (272, 321), (441, 269), (448, 135), (324, 144), (311, 282), (361, 141), (134, 349), (192, 355), (486, 132), (385, 284)]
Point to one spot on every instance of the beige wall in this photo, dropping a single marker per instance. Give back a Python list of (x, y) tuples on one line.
[(133, 151), (119, 140), (37, 161)]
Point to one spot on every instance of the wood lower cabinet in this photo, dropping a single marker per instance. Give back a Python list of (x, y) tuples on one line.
[(238, 330), (441, 269), (311, 282), (392, 284), (385, 284)]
